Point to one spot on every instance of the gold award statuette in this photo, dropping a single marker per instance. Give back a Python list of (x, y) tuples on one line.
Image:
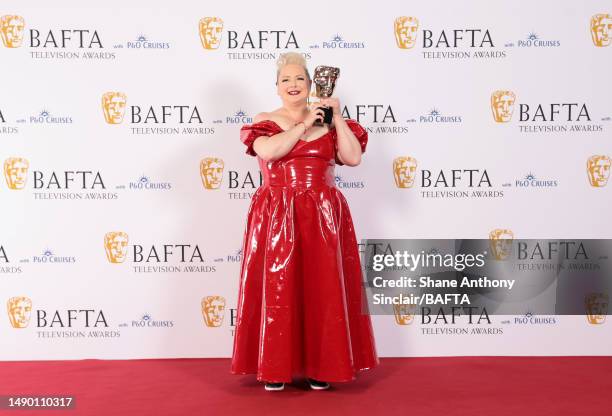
[(325, 78)]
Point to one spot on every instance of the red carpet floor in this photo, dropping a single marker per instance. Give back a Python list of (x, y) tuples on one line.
[(473, 386)]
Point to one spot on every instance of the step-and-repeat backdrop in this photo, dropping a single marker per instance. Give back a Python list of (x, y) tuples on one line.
[(125, 186)]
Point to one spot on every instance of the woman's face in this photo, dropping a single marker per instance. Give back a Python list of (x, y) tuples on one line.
[(293, 85)]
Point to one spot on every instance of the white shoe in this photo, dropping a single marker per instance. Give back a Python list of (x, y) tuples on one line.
[(318, 385), (274, 386)]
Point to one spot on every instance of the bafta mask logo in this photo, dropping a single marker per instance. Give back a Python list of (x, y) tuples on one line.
[(406, 32), (598, 169), (16, 172), (211, 172), (213, 310), (596, 307), (404, 171), (11, 30), (404, 313), (502, 105), (500, 241), (113, 106), (19, 309), (210, 32), (601, 29), (115, 246)]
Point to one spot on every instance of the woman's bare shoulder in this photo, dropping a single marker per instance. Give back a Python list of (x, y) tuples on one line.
[(261, 117), (274, 115)]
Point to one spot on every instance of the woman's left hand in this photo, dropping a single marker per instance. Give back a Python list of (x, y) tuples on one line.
[(333, 103)]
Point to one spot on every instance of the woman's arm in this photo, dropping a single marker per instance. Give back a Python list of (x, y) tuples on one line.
[(349, 149), (278, 145)]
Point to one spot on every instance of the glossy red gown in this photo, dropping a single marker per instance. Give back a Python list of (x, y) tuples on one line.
[(300, 300)]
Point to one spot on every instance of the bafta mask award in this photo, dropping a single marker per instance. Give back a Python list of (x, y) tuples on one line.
[(325, 78)]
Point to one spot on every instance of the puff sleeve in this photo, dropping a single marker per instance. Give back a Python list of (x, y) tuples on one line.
[(360, 133), (250, 132)]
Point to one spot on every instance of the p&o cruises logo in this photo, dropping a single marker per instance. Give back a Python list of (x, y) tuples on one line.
[(337, 42)]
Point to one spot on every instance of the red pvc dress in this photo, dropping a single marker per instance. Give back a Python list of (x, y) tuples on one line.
[(300, 298)]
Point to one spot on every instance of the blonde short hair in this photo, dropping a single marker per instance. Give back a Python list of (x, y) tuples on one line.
[(291, 58)]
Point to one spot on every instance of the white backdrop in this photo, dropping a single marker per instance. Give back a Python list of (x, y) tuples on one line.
[(52, 233)]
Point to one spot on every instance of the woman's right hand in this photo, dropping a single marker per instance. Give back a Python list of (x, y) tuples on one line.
[(316, 113)]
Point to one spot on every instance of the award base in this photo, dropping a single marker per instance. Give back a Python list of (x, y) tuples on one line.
[(327, 116)]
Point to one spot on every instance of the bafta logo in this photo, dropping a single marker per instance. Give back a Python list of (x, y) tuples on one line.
[(596, 307), (598, 169), (601, 29), (19, 309), (115, 246), (16, 172), (213, 310), (210, 32), (404, 171), (404, 313), (113, 106), (500, 241), (11, 30), (406, 32), (502, 105), (211, 172)]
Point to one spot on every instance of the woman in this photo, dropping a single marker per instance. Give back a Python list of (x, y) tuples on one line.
[(300, 298)]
